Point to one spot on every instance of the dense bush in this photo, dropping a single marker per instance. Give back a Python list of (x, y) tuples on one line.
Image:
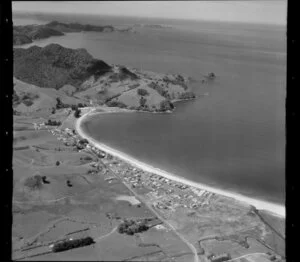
[(69, 244), (211, 75), (166, 105), (125, 72), (52, 123), (77, 113), (143, 101), (60, 104), (54, 66), (130, 227), (142, 92), (159, 89), (115, 103)]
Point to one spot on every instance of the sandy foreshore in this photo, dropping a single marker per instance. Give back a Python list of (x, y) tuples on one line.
[(276, 209)]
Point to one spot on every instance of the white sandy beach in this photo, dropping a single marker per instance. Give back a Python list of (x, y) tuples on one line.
[(276, 209)]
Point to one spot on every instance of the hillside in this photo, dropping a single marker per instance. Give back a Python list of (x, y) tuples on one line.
[(54, 66), (29, 99), (77, 74), (76, 27), (29, 33)]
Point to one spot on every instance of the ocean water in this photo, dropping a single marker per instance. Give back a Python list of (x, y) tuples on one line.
[(233, 136)]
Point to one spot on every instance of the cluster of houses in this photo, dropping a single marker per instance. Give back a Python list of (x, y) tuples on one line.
[(166, 193)]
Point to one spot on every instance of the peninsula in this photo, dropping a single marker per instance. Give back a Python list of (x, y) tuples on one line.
[(28, 33)]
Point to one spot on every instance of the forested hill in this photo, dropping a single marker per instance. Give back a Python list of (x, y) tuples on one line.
[(28, 33), (54, 66)]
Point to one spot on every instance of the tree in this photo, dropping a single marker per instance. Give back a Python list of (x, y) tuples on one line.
[(143, 101), (53, 111), (59, 104), (142, 92), (166, 105), (74, 107), (77, 113)]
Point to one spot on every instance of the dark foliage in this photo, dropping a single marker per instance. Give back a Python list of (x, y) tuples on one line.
[(115, 103), (55, 66), (166, 105), (77, 113), (124, 71), (142, 92), (130, 227), (74, 107), (70, 244), (143, 101), (211, 75), (160, 90), (52, 123)]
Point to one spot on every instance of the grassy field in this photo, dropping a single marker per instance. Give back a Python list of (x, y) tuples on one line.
[(71, 202)]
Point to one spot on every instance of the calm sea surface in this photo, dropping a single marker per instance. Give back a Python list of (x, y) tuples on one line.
[(233, 137)]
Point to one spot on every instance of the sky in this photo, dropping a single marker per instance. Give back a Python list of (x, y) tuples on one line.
[(265, 12)]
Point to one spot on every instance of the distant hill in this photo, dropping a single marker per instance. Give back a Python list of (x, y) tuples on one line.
[(76, 74), (28, 33), (76, 27)]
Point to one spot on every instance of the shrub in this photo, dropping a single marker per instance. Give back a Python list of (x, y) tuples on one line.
[(143, 101), (130, 227), (142, 92), (27, 102), (52, 123), (74, 107), (166, 105), (69, 244), (57, 163), (115, 103), (159, 89), (77, 113)]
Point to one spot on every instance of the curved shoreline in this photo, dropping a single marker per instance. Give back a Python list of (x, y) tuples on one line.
[(276, 209)]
